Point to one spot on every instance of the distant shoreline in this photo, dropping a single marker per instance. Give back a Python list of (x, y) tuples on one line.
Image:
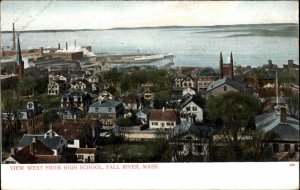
[(154, 27)]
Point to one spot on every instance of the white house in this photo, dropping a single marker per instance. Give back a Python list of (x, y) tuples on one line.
[(162, 118), (189, 109), (86, 155), (143, 115)]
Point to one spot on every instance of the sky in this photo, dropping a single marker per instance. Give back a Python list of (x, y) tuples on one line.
[(38, 15)]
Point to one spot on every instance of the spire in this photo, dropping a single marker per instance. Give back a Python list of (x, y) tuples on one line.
[(221, 65), (18, 53), (14, 38)]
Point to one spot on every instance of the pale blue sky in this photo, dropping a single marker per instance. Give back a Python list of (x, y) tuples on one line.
[(102, 15)]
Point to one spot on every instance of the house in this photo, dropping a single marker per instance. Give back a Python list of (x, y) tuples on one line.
[(35, 152), (69, 113), (225, 85), (184, 81), (162, 118), (107, 111), (28, 120), (146, 94), (131, 102), (86, 155), (76, 99), (93, 79), (105, 96), (50, 139), (188, 91), (56, 87), (143, 116), (192, 141), (204, 81), (80, 85), (189, 109), (286, 128)]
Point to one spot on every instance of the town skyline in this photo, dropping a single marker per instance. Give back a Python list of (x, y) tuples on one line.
[(47, 15)]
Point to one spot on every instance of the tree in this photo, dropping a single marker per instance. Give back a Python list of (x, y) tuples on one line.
[(258, 148), (10, 105), (28, 85), (235, 110)]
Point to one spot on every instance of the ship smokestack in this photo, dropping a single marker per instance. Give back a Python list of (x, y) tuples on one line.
[(59, 46), (75, 43), (66, 45)]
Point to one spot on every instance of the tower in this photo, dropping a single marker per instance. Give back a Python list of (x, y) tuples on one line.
[(19, 64), (221, 65)]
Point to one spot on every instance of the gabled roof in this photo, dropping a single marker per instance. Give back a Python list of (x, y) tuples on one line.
[(187, 101), (163, 115), (143, 111), (228, 81), (50, 142), (106, 103)]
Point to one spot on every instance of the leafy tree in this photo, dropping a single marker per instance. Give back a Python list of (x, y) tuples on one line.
[(50, 117), (10, 105), (258, 149), (235, 110), (28, 85)]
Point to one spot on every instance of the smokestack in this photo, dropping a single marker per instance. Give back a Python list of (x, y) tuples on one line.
[(14, 38), (42, 51), (231, 64), (66, 45), (75, 43), (59, 46), (283, 115), (221, 65)]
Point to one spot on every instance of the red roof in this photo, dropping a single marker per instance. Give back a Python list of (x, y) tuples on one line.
[(163, 115)]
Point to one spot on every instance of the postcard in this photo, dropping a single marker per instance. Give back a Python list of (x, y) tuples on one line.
[(149, 95)]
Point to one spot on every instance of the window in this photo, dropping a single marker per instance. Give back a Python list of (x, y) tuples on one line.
[(286, 147), (188, 108), (71, 141), (96, 109), (80, 157), (296, 147), (168, 124), (275, 148), (225, 88), (154, 123), (194, 108)]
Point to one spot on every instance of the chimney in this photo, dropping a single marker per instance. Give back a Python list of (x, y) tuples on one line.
[(283, 115), (163, 109), (66, 45), (13, 150), (59, 46), (31, 146)]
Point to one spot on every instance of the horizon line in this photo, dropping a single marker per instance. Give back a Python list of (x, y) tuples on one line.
[(142, 27)]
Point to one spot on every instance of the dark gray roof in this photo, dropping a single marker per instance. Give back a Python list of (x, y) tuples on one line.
[(35, 73), (270, 122), (228, 81), (106, 103), (50, 142)]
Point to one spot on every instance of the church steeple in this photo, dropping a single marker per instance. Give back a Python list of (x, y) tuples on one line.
[(19, 65)]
